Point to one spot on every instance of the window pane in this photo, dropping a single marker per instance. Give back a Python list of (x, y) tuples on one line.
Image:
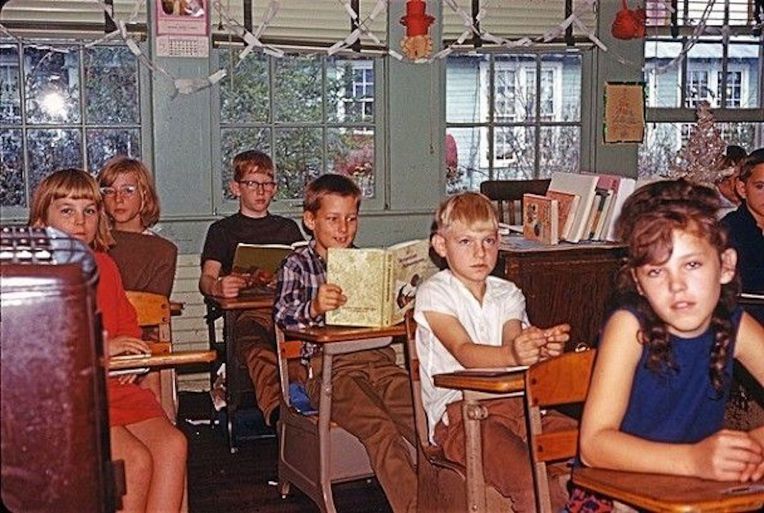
[(514, 159), (10, 96), (105, 143), (563, 71), (467, 89), (521, 69), (748, 135), (659, 149), (244, 92), (559, 149), (52, 149), (703, 66), (52, 86), (351, 152), (350, 91), (471, 158), (663, 82), (744, 62), (235, 140), (297, 95), (11, 169), (111, 85), (298, 157)]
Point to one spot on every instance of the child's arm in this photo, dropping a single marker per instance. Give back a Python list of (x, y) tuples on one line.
[(212, 284), (329, 297), (722, 456), (300, 301), (457, 341)]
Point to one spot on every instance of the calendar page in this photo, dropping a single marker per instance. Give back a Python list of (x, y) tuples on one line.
[(182, 46), (182, 28)]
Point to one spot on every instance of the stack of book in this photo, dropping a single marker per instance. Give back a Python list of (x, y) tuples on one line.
[(577, 207)]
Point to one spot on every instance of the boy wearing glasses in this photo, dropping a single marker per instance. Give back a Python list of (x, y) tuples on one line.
[(254, 184)]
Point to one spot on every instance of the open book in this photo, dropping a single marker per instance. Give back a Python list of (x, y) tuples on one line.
[(249, 258), (380, 284)]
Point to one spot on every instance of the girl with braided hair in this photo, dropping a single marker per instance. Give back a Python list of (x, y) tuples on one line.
[(662, 377)]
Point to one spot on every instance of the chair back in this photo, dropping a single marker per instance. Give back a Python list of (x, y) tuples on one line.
[(442, 484), (554, 382), (154, 314), (508, 195)]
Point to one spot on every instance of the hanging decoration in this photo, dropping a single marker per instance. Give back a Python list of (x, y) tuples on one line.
[(700, 158), (417, 43), (629, 23)]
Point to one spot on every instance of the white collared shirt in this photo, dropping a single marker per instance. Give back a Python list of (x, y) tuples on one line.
[(484, 323)]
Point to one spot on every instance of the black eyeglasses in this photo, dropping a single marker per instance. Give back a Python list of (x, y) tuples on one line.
[(253, 185)]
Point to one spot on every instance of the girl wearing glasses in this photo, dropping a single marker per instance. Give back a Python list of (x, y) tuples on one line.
[(146, 261)]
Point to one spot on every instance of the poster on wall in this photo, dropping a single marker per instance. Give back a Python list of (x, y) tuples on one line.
[(182, 28), (624, 112)]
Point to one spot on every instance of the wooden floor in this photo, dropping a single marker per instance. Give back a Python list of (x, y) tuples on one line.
[(244, 482)]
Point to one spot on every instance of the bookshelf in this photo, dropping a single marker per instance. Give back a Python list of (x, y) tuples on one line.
[(564, 283)]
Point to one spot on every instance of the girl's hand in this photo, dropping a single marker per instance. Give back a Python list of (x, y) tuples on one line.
[(329, 297), (129, 345), (727, 456)]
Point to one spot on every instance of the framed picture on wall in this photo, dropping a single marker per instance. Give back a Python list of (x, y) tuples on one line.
[(182, 28), (624, 112)]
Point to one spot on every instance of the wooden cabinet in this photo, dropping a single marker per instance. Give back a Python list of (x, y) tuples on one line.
[(566, 283)]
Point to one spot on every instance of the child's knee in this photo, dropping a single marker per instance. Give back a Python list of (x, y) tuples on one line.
[(176, 445), (139, 464)]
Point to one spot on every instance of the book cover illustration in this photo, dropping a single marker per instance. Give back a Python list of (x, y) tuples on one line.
[(567, 203), (541, 219), (380, 284), (584, 186), (259, 263)]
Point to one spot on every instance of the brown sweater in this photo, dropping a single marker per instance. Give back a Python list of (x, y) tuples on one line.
[(146, 262)]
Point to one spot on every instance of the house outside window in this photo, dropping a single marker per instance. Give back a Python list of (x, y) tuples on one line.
[(312, 114), (724, 70), (512, 116), (76, 107)]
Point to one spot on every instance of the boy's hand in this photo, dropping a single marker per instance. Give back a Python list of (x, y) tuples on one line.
[(229, 286), (329, 297), (726, 456), (556, 336), (526, 347)]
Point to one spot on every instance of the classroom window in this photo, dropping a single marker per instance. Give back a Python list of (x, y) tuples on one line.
[(312, 114), (76, 107), (511, 116), (682, 70)]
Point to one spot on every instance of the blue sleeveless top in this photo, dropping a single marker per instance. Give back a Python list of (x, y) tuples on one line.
[(680, 406)]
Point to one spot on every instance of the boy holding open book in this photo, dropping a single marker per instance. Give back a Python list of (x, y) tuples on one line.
[(254, 184), (467, 318), (371, 395)]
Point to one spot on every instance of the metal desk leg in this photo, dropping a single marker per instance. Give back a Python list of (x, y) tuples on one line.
[(229, 326), (473, 413), (324, 421)]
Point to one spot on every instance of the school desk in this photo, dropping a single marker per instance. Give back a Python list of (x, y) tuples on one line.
[(237, 384), (672, 494)]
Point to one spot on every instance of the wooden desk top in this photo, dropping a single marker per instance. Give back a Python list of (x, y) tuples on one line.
[(664, 493), (162, 360), (328, 334), (499, 381), (246, 302)]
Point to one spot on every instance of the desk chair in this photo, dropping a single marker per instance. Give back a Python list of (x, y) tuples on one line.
[(561, 380), (154, 319), (313, 451), (508, 195), (442, 484)]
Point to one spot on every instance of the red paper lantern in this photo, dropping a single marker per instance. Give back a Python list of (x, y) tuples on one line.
[(628, 23)]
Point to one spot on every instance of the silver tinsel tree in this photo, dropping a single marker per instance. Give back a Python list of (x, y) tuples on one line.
[(700, 158)]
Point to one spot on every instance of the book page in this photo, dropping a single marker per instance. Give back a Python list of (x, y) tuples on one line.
[(411, 266)]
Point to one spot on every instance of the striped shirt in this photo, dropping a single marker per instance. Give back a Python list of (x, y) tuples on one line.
[(297, 283)]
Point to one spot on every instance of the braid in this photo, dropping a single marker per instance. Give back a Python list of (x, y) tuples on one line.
[(722, 326)]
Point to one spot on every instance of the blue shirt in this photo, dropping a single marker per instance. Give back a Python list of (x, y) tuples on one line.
[(680, 406)]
